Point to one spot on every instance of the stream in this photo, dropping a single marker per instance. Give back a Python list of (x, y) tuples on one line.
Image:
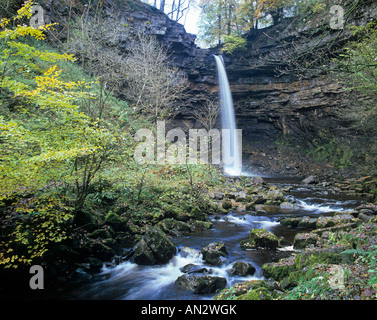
[(129, 281)]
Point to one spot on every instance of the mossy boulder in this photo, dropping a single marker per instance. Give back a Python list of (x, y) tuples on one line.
[(227, 204), (241, 268), (279, 270), (292, 280), (303, 240), (174, 227), (239, 289), (290, 222), (249, 290), (201, 283), (307, 223), (116, 222), (202, 225), (214, 253), (327, 222), (261, 238), (154, 248), (256, 294)]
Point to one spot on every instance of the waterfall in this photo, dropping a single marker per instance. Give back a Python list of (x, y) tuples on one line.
[(229, 122)]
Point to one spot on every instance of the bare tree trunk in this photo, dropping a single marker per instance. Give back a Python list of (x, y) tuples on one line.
[(162, 5)]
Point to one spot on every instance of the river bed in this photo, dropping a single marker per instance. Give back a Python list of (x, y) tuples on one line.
[(129, 281)]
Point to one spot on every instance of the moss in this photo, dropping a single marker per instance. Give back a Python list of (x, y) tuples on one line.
[(279, 270), (256, 294), (263, 238), (227, 204), (239, 289)]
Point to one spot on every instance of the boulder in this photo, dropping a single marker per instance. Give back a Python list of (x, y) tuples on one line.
[(311, 180), (200, 283), (213, 253), (174, 227), (308, 223), (303, 240), (241, 268), (227, 204), (326, 222), (261, 238), (290, 222), (154, 248), (193, 268)]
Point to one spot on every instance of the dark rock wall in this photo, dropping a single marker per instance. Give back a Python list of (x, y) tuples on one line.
[(268, 106)]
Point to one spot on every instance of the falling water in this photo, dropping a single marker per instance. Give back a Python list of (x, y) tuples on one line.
[(229, 121)]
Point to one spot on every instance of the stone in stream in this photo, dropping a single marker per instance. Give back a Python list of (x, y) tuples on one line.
[(200, 283), (261, 238), (303, 240), (154, 248), (214, 253), (241, 268)]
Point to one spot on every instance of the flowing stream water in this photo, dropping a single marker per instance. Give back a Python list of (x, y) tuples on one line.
[(129, 281)]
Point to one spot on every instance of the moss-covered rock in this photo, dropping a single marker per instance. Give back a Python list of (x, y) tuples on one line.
[(201, 283), (292, 280), (261, 238), (213, 253), (116, 222), (154, 248), (202, 225), (241, 268), (326, 222), (303, 240), (279, 270), (174, 227), (256, 294), (227, 204), (307, 223), (239, 289), (290, 222)]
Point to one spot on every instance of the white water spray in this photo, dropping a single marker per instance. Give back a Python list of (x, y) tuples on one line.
[(229, 121)]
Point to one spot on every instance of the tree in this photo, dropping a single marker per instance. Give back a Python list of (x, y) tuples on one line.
[(153, 85), (175, 9), (217, 20), (221, 19)]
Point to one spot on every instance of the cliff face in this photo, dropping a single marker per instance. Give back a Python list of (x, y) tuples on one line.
[(268, 106)]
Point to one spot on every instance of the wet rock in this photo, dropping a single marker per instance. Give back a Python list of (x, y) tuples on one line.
[(201, 284), (227, 204), (154, 248), (326, 222), (202, 225), (116, 222), (279, 270), (214, 253), (303, 240), (241, 268), (307, 223), (290, 222), (311, 180), (261, 238), (193, 268), (246, 244), (174, 227), (338, 227)]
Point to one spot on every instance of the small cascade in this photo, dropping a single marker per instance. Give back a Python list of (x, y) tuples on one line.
[(233, 146)]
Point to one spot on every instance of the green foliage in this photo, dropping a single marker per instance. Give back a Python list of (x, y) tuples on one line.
[(233, 43), (332, 149), (357, 66), (33, 226)]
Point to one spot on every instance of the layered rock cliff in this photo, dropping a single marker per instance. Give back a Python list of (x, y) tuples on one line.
[(270, 106)]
